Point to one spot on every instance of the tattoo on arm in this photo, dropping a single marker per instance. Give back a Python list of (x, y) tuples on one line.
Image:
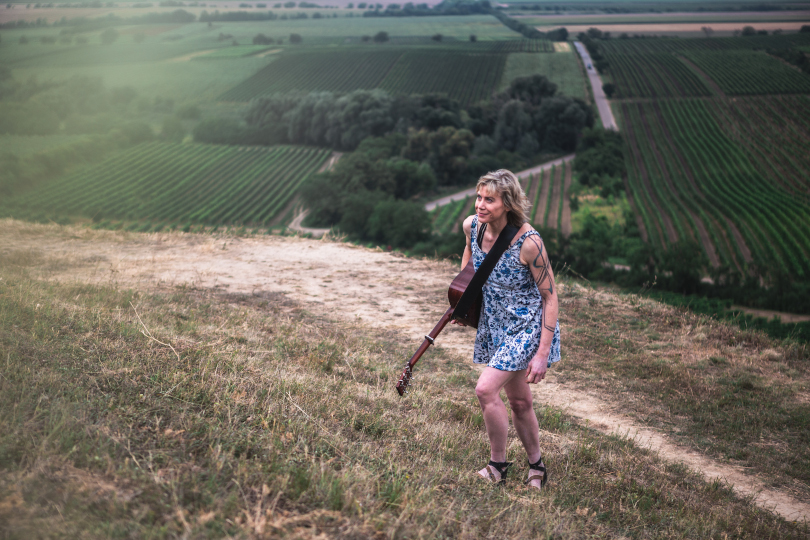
[(541, 270)]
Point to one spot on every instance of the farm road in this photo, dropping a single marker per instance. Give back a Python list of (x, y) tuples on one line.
[(461, 195), (602, 103), (381, 290)]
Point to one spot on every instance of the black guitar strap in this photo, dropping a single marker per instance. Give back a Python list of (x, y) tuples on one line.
[(481, 275)]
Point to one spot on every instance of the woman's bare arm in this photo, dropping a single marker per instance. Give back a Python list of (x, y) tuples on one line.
[(533, 252)]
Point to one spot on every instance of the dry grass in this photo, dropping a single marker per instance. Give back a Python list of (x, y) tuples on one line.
[(731, 393), (274, 422)]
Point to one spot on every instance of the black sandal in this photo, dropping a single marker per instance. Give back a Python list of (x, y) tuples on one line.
[(502, 468), (541, 467)]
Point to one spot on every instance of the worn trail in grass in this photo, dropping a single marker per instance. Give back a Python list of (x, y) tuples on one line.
[(604, 368)]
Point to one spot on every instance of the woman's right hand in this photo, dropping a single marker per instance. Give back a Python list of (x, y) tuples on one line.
[(457, 322)]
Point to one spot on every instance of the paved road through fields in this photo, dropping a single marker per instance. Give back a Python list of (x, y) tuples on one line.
[(599, 96)]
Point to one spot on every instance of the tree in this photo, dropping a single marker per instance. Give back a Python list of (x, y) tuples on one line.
[(109, 36), (686, 262), (261, 39), (609, 88), (749, 31), (436, 37), (399, 223), (707, 30), (473, 38), (296, 38), (380, 37)]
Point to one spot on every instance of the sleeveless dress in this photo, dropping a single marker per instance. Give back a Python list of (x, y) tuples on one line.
[(511, 313)]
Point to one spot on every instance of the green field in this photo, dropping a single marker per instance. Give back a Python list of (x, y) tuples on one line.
[(171, 184), (750, 72), (561, 68)]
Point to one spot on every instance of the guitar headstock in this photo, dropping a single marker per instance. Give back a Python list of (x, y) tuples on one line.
[(405, 380)]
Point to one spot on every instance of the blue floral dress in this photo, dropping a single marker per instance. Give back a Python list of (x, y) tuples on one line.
[(511, 312)]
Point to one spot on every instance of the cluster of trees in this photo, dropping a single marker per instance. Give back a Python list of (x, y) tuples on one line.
[(794, 56), (406, 146), (512, 129), (366, 195), (600, 161), (560, 34)]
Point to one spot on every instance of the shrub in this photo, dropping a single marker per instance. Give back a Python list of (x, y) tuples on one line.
[(109, 36)]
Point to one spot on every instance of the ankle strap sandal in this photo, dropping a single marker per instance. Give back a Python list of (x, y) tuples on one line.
[(502, 468), (537, 471)]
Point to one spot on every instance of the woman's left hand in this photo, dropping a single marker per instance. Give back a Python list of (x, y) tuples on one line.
[(537, 370)]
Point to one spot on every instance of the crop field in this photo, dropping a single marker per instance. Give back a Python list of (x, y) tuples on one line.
[(561, 68), (705, 44), (750, 73), (339, 71), (466, 77), (729, 174), (691, 180), (654, 75), (174, 184)]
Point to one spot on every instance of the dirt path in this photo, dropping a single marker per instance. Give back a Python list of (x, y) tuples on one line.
[(295, 225), (383, 290)]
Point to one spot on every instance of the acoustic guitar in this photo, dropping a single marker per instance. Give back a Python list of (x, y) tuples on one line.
[(457, 288)]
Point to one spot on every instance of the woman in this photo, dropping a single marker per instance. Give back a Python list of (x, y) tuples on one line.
[(518, 333)]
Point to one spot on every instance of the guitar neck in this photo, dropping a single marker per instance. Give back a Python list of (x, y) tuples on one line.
[(431, 337), (405, 379)]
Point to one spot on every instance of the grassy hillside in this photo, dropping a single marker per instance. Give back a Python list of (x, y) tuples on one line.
[(190, 412)]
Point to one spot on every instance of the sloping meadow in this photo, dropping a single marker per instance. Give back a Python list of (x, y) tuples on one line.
[(186, 412)]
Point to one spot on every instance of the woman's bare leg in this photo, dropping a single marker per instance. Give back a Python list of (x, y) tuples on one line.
[(524, 418), (496, 420)]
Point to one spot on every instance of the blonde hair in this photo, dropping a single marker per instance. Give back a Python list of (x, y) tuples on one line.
[(506, 184)]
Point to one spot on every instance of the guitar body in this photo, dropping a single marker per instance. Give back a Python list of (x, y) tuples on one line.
[(457, 288)]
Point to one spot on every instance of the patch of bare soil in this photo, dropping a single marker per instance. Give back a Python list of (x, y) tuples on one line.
[(382, 290)]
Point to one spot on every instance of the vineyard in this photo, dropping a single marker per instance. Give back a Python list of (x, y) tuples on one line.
[(692, 181), (750, 73), (466, 77), (318, 71), (548, 192), (653, 75), (174, 184), (731, 174), (636, 46)]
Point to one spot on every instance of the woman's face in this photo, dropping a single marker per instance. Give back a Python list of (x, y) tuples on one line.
[(489, 206)]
